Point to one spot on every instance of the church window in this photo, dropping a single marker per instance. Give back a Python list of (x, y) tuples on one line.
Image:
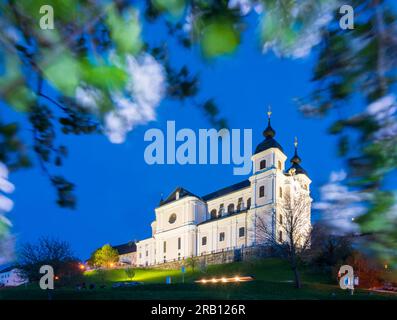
[(279, 165), (204, 241), (248, 203), (147, 253), (261, 191), (230, 208), (221, 208), (280, 219), (179, 244), (281, 192), (262, 165), (165, 246), (239, 204), (280, 236), (222, 236), (213, 214), (241, 232)]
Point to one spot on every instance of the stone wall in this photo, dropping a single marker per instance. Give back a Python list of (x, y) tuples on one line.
[(227, 256)]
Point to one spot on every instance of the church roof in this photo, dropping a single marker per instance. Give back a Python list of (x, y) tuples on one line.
[(296, 160), (269, 141), (226, 190), (267, 144), (172, 197), (125, 248)]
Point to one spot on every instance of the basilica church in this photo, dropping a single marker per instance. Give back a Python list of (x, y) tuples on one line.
[(189, 225)]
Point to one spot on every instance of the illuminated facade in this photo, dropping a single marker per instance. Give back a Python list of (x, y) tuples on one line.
[(189, 225)]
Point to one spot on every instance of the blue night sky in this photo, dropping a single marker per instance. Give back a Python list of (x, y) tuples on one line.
[(117, 191)]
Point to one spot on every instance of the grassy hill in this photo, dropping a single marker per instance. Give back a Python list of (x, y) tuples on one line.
[(273, 280)]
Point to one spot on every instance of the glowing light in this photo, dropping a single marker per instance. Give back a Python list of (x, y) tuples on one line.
[(226, 280), (56, 278), (82, 266)]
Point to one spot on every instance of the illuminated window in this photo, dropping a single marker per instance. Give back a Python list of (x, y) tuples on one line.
[(241, 232), (204, 241), (262, 165), (222, 236), (261, 191)]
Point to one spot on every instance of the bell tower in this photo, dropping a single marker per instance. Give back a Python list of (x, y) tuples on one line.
[(268, 163)]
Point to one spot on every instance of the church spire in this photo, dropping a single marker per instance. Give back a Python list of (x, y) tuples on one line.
[(296, 159), (269, 132)]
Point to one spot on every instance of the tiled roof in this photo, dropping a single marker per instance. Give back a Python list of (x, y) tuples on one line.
[(172, 197), (125, 248), (229, 189)]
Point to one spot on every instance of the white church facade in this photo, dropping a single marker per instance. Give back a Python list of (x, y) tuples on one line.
[(189, 225)]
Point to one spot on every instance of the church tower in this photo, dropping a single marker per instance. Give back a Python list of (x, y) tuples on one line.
[(268, 163), (267, 180)]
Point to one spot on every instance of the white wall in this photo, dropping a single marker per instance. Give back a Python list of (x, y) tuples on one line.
[(11, 278)]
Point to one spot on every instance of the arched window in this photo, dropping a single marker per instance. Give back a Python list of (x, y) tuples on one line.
[(221, 209), (281, 192), (262, 165), (248, 203), (213, 214), (239, 204), (279, 165), (261, 191), (230, 208)]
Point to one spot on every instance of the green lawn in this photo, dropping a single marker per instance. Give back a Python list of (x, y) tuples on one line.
[(273, 280)]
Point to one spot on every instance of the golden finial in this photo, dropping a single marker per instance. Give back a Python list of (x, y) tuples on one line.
[(296, 142), (269, 111)]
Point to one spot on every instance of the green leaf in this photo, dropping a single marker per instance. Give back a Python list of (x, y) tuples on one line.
[(219, 37), (64, 74), (125, 31)]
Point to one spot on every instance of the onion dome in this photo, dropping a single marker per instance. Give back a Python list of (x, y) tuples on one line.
[(269, 134), (296, 160)]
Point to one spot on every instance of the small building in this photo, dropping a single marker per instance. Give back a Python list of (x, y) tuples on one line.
[(10, 277), (127, 253)]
